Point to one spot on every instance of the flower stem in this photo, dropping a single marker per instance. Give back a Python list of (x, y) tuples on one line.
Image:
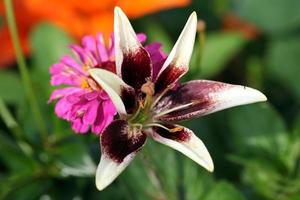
[(24, 70)]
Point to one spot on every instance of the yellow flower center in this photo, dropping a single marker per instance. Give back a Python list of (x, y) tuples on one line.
[(84, 84)]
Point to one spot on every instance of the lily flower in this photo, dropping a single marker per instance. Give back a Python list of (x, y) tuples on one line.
[(150, 105)]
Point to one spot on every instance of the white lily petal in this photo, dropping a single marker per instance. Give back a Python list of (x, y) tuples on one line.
[(125, 37), (182, 51), (237, 95), (108, 170), (191, 146), (112, 85), (202, 97)]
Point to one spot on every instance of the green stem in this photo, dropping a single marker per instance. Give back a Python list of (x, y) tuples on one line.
[(24, 70)]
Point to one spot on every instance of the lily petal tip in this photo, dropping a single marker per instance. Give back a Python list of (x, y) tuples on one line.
[(107, 172), (194, 15), (255, 95), (208, 163), (210, 167), (117, 9)]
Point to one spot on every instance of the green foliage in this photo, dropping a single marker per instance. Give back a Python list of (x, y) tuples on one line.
[(73, 159), (255, 148), (283, 60), (269, 154), (218, 50), (271, 16), (250, 130), (224, 191), (154, 31), (11, 90), (49, 43)]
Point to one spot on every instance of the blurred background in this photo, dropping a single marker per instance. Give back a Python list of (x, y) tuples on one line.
[(255, 148)]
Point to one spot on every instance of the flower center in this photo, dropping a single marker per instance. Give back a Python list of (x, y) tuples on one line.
[(89, 83), (143, 113)]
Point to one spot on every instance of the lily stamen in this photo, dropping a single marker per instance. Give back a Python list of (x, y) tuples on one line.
[(173, 109), (176, 129), (161, 95)]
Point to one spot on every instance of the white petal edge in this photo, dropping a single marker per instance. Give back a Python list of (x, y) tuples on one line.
[(112, 85), (125, 37), (194, 148), (236, 95), (108, 170), (182, 51)]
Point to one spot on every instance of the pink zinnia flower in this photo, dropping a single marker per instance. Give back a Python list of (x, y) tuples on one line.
[(82, 101)]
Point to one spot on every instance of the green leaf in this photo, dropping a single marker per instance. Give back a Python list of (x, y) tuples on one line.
[(156, 179), (224, 191), (13, 157), (11, 90), (271, 16), (135, 181), (23, 187), (7, 116), (218, 50), (48, 43), (73, 159), (283, 58), (255, 126), (196, 180)]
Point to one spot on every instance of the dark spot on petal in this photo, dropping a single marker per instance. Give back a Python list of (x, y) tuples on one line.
[(136, 68), (129, 99), (117, 142), (169, 76), (201, 93), (108, 65)]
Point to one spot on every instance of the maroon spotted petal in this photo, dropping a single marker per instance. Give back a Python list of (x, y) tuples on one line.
[(132, 60), (136, 67), (177, 63), (201, 97), (185, 141), (118, 141), (169, 76)]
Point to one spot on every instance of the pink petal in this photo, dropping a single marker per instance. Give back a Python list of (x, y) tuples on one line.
[(141, 37), (59, 93), (62, 108), (105, 114), (89, 43), (85, 56), (79, 127), (92, 95), (70, 62), (157, 57), (91, 112), (102, 51)]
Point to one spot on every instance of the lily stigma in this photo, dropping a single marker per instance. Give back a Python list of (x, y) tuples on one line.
[(150, 105)]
